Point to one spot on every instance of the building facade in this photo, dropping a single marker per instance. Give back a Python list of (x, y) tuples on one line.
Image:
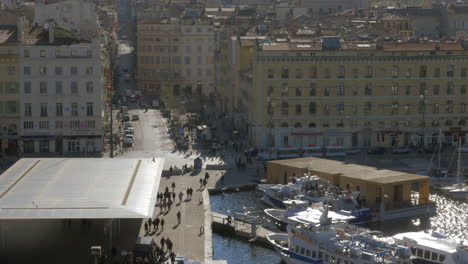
[(357, 94), (9, 90), (62, 97), (176, 58)]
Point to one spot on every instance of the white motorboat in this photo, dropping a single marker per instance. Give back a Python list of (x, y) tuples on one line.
[(336, 243), (432, 248)]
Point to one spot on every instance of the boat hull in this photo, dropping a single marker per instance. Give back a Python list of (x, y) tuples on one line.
[(287, 255)]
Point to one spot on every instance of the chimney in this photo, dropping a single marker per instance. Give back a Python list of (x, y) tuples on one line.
[(20, 28), (52, 32)]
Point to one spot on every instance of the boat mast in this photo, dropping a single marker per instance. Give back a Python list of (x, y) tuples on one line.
[(440, 145), (459, 158)]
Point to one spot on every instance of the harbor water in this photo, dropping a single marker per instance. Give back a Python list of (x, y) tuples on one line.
[(451, 220)]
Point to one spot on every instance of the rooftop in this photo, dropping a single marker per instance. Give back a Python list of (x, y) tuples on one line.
[(80, 188), (355, 171)]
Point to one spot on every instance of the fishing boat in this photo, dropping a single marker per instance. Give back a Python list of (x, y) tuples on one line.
[(310, 188), (336, 243), (433, 248), (343, 207)]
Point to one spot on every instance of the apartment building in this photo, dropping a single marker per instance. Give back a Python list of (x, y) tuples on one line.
[(9, 96), (329, 92), (61, 98), (176, 58)]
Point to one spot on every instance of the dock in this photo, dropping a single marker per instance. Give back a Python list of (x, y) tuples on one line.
[(242, 228)]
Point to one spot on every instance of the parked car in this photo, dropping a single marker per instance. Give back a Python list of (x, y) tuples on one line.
[(129, 136), (125, 118), (353, 151), (132, 98), (135, 117), (464, 149), (128, 132), (251, 152), (127, 142), (127, 124), (401, 150), (376, 150)]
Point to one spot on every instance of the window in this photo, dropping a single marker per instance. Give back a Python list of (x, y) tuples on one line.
[(437, 72), (422, 89), (395, 89), (42, 53), (340, 107), (408, 90), (326, 91), (395, 71), (74, 109), (284, 108), (449, 106), (312, 108), (10, 107), (90, 123), (298, 92), (26, 53), (27, 70), (74, 124), (463, 73), (308, 252), (368, 90), (341, 71), (427, 254), (313, 89), (340, 91), (463, 89), (284, 125), (298, 109), (58, 109), (74, 88), (89, 52), (450, 70), (298, 125), (43, 88), (408, 73), (462, 108), (89, 70), (58, 70), (394, 108), (436, 89), (28, 124), (367, 107), (43, 109), (42, 70), (58, 124), (436, 108), (73, 70), (74, 52), (89, 87), (58, 87), (369, 72), (285, 90), (326, 108), (270, 74), (27, 109), (285, 73), (73, 145), (27, 87), (450, 88), (422, 71), (57, 52), (312, 125), (313, 72), (422, 107), (89, 109), (43, 124)]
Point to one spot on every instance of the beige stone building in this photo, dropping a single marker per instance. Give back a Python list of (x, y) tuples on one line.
[(9, 89), (176, 58), (328, 92)]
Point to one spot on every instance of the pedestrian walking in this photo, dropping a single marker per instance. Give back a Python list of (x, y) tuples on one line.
[(150, 223), (173, 186), (173, 196), (201, 183), (163, 241), (181, 196), (156, 224), (169, 244), (178, 218), (146, 228), (191, 192), (162, 224), (172, 257)]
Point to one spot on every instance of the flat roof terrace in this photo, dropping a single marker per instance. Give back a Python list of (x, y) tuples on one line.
[(79, 188)]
